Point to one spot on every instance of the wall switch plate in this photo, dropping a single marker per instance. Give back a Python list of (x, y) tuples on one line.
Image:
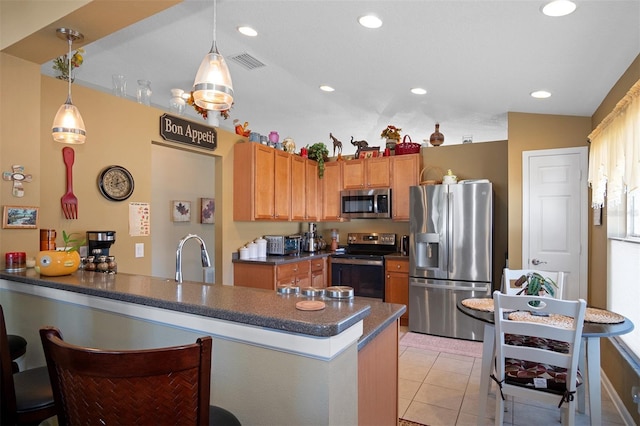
[(139, 249)]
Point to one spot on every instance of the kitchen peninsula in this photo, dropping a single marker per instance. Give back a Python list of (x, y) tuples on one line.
[(272, 363)]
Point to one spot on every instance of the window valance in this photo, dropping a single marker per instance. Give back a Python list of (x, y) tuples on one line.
[(614, 155)]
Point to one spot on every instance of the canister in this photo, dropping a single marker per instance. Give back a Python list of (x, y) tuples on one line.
[(47, 239), (15, 261), (244, 253), (262, 247), (253, 250)]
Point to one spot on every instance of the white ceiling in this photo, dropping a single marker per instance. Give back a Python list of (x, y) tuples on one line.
[(477, 59)]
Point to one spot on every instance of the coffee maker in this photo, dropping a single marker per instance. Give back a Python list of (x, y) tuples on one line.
[(100, 242)]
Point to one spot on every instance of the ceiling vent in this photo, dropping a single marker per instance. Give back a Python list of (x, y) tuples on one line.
[(247, 61)]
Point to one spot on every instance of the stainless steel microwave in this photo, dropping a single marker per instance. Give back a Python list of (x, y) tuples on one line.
[(365, 203)]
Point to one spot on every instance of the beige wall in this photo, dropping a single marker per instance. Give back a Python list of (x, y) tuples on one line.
[(618, 370), (479, 161), (528, 132)]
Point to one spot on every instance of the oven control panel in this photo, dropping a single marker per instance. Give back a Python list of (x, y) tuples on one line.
[(371, 238)]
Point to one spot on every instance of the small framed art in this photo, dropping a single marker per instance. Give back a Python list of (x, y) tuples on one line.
[(180, 211), (369, 152), (20, 217), (207, 210)]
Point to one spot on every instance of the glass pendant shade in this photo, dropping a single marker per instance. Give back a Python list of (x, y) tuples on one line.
[(212, 88), (68, 126)]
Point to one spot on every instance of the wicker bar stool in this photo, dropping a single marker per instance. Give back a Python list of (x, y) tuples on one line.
[(26, 395), (150, 386)]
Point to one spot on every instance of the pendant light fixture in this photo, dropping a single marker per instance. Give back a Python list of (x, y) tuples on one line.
[(212, 88), (68, 126)]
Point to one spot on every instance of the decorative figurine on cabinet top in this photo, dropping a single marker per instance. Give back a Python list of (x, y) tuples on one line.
[(242, 129)]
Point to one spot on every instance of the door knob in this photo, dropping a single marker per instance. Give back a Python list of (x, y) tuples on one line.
[(537, 262)]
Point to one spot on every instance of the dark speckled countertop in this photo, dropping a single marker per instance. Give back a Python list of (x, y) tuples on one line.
[(262, 308), (279, 260)]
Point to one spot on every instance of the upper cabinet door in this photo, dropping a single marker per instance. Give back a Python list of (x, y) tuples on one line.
[(281, 184), (404, 173), (298, 192), (367, 173)]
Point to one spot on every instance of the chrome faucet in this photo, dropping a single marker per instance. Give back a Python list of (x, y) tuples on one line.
[(204, 255)]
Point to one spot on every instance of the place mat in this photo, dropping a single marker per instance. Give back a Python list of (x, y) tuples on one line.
[(602, 316), (485, 304), (310, 305), (555, 320)]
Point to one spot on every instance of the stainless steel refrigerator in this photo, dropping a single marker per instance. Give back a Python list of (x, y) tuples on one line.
[(450, 256)]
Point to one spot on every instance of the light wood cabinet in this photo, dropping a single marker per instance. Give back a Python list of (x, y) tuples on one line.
[(318, 276), (298, 190), (378, 379), (396, 287), (367, 173), (404, 173), (298, 274), (303, 273), (261, 184), (331, 185), (312, 191)]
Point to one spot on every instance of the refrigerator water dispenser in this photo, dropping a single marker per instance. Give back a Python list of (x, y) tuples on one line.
[(428, 250)]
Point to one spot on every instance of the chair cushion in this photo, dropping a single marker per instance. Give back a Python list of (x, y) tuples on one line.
[(536, 342), (33, 389), (218, 416), (522, 373)]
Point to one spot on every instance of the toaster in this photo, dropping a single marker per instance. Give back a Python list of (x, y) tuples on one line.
[(283, 244)]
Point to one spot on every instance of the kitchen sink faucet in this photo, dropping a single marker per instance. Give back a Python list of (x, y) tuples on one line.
[(204, 256)]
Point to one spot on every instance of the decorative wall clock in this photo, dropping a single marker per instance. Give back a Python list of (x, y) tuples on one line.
[(115, 183)]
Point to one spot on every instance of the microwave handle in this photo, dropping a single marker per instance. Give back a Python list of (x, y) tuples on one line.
[(375, 203)]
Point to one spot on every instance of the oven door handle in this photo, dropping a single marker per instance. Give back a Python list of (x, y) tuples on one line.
[(345, 261)]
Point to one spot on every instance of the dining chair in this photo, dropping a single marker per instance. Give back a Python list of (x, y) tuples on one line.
[(168, 385), (26, 395), (548, 373), (510, 276)]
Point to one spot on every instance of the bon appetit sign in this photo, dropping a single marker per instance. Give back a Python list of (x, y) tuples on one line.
[(177, 129)]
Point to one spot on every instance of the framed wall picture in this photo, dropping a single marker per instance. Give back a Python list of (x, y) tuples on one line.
[(180, 211), (20, 217), (207, 210)]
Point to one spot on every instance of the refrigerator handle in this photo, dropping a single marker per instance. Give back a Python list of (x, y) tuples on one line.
[(450, 233)]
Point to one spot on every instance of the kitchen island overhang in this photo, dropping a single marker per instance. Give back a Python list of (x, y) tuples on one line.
[(255, 367)]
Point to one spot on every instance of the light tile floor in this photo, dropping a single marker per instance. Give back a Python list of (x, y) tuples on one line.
[(437, 388)]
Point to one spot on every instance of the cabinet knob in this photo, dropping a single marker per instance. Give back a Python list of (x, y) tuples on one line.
[(398, 266)]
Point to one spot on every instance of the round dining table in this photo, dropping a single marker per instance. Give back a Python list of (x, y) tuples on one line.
[(589, 360)]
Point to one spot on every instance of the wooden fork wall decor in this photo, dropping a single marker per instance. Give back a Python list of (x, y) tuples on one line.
[(69, 201)]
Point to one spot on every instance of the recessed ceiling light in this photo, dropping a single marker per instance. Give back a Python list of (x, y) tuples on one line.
[(559, 8), (327, 88), (418, 91), (370, 21), (540, 94), (248, 31)]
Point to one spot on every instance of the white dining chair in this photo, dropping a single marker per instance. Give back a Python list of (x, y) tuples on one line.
[(510, 276), (544, 372)]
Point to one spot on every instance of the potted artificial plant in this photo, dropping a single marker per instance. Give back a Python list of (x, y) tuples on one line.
[(318, 152), (60, 262), (534, 284)]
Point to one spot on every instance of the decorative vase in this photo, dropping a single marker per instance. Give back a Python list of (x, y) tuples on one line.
[(213, 119), (436, 138), (274, 137), (54, 263)]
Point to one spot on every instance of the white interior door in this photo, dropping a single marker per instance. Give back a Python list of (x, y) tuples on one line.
[(554, 215)]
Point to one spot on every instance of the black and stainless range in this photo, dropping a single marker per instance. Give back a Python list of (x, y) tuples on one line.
[(362, 265)]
